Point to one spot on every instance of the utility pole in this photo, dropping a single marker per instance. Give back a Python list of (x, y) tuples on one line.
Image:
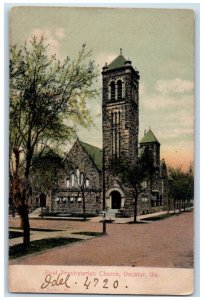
[(104, 193)]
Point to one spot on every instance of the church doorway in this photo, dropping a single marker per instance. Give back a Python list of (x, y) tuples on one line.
[(115, 200)]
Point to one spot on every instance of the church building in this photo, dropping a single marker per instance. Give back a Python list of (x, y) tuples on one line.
[(83, 176)]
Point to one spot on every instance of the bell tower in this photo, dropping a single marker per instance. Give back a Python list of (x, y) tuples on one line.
[(120, 109), (120, 122)]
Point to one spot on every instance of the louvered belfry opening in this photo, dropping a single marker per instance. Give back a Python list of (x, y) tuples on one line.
[(112, 90), (120, 92)]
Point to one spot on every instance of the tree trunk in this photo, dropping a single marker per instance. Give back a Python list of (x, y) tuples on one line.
[(23, 212), (20, 199), (13, 208), (169, 207), (135, 208), (17, 161), (184, 206), (15, 180), (25, 195), (26, 225)]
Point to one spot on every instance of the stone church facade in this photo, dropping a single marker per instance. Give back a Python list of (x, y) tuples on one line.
[(120, 108), (82, 177), (120, 128)]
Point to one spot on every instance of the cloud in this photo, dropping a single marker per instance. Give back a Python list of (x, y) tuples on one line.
[(142, 89), (52, 37), (60, 32), (171, 116), (155, 102), (176, 133), (170, 126), (177, 85), (104, 57), (185, 118)]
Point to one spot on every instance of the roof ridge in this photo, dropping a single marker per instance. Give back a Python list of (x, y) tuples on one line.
[(95, 157), (90, 145), (120, 55), (149, 137), (118, 62)]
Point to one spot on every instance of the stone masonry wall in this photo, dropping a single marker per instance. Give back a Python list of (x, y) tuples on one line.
[(128, 106), (70, 197)]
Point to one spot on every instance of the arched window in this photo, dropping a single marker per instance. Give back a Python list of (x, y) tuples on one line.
[(87, 183), (120, 90), (116, 133), (81, 178), (109, 92), (112, 85), (68, 182), (78, 176), (72, 180), (123, 89)]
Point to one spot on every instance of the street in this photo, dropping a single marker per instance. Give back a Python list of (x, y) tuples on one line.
[(165, 243)]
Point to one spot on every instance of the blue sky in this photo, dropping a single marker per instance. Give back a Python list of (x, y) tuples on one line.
[(160, 44)]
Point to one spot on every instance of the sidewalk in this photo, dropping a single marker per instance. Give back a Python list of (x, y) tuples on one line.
[(39, 235), (168, 243), (130, 219), (100, 218)]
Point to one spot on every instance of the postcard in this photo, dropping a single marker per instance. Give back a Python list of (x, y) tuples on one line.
[(101, 150)]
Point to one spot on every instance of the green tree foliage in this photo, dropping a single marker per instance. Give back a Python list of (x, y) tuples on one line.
[(47, 99), (46, 169), (182, 187), (135, 174)]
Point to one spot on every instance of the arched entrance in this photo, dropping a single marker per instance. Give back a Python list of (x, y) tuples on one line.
[(115, 200)]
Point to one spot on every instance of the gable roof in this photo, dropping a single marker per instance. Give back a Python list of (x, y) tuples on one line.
[(118, 62), (95, 154), (149, 137)]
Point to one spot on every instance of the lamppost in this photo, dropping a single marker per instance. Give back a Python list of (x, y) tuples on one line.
[(170, 193)]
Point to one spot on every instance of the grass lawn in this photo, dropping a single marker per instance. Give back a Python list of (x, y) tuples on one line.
[(15, 234), (159, 218), (89, 233), (139, 222), (38, 229), (19, 250)]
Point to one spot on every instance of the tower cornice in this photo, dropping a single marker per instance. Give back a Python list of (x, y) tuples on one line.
[(123, 68)]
